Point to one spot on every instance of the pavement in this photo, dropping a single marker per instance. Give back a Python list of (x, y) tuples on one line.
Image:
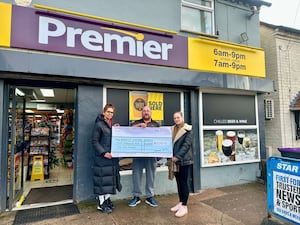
[(244, 204)]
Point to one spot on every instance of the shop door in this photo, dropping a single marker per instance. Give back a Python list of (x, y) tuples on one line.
[(41, 137), (16, 146)]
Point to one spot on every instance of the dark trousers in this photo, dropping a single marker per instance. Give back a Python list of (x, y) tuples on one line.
[(182, 183)]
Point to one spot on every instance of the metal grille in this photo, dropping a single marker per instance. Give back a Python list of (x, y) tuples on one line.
[(269, 109)]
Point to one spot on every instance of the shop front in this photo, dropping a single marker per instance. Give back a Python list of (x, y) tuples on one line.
[(88, 62)]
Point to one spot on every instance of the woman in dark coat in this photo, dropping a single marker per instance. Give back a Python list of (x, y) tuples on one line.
[(182, 160), (106, 169)]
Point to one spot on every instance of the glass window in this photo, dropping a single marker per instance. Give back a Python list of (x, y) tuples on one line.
[(197, 16), (229, 136), (125, 100)]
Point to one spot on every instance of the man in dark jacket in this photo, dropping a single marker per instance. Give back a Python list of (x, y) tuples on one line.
[(139, 163), (106, 169)]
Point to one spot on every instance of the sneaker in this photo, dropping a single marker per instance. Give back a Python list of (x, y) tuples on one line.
[(110, 204), (176, 207), (151, 201), (104, 208), (134, 202), (182, 211)]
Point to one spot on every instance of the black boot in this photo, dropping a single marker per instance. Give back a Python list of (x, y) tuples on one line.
[(104, 207)]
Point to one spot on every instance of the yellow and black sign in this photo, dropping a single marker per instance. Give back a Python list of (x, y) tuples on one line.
[(139, 99), (222, 57), (37, 168)]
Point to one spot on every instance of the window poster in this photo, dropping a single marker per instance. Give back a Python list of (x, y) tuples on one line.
[(229, 130), (229, 146), (139, 99)]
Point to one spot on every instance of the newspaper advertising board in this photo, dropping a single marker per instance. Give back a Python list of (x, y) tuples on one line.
[(283, 187)]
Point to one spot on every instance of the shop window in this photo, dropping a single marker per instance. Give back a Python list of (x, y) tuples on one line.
[(229, 129), (121, 99), (129, 104), (197, 16)]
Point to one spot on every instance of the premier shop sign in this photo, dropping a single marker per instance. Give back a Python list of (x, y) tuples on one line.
[(63, 33)]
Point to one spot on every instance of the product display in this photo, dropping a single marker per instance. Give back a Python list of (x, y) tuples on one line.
[(67, 139), (39, 146)]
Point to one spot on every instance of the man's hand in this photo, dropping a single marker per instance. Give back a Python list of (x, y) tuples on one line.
[(140, 125)]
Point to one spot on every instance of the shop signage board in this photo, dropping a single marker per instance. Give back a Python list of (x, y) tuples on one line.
[(141, 142), (283, 187), (76, 34), (5, 24), (219, 56), (51, 31)]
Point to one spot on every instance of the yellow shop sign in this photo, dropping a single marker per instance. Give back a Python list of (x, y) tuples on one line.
[(222, 57)]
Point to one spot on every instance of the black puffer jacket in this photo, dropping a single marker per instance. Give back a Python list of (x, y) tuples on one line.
[(106, 171), (182, 145)]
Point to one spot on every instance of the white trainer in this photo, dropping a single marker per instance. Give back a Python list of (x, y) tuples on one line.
[(182, 211), (176, 207)]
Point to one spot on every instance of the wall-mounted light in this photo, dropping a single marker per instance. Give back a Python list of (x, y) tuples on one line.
[(244, 37)]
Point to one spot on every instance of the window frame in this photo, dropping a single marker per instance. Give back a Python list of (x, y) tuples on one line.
[(188, 4)]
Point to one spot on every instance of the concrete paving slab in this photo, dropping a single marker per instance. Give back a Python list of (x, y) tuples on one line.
[(244, 204)]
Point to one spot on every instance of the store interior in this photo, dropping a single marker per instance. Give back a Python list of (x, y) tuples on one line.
[(43, 131)]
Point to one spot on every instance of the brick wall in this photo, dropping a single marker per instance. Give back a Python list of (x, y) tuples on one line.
[(282, 53)]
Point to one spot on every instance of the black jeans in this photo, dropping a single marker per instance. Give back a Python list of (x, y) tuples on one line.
[(182, 183)]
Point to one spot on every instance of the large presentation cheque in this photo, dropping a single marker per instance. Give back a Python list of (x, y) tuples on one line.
[(141, 142)]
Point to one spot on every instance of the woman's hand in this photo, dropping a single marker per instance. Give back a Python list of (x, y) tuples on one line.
[(108, 155), (174, 159)]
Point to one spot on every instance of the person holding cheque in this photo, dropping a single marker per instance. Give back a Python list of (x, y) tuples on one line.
[(139, 163), (182, 161), (106, 169)]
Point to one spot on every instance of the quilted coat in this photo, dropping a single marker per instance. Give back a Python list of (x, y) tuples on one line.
[(106, 171)]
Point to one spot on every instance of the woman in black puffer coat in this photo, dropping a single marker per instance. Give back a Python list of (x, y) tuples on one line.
[(106, 169)]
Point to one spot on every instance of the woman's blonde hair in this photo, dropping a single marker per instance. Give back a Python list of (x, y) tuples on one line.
[(179, 112)]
